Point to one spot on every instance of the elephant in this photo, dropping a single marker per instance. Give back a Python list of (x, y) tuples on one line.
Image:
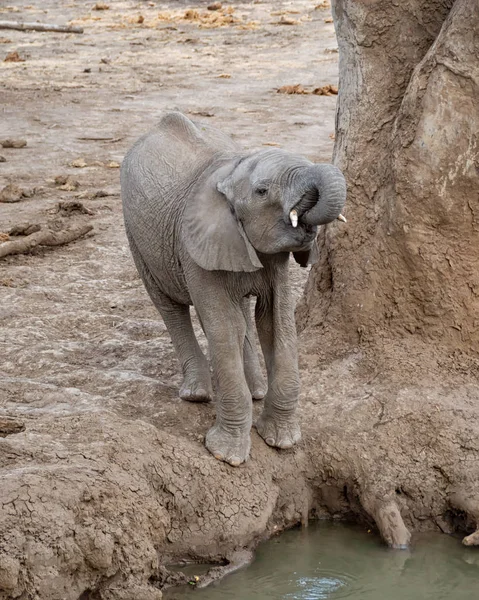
[(211, 225)]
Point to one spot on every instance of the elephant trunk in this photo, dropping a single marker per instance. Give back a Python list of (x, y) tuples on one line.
[(322, 193)]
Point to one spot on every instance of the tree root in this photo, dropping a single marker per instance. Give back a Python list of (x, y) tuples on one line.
[(388, 519), (236, 561), (43, 238), (468, 504)]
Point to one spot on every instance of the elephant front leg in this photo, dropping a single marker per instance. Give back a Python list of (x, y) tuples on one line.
[(278, 424), (229, 438)]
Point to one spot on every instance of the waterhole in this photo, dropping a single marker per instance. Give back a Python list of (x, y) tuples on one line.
[(332, 561)]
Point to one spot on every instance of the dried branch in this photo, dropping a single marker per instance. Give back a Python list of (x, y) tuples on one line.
[(43, 238), (39, 27)]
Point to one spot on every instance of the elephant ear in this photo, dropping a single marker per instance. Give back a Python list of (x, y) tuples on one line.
[(307, 257), (214, 238)]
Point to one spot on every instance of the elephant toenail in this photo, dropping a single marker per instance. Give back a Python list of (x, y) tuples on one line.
[(269, 441)]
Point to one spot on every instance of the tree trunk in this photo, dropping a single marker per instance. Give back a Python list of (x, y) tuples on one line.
[(390, 315), (404, 269)]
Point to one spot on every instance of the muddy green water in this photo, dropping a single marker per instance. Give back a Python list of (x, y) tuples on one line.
[(332, 561)]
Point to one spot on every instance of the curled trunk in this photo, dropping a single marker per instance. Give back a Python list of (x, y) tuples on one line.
[(323, 194)]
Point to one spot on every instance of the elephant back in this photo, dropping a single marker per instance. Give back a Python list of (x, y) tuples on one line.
[(170, 157)]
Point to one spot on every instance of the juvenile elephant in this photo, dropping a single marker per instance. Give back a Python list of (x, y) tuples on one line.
[(210, 225)]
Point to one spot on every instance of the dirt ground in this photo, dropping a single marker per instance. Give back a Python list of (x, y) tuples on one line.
[(104, 476)]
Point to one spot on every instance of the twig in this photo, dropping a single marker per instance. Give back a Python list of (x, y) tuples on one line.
[(43, 238), (39, 27), (100, 139)]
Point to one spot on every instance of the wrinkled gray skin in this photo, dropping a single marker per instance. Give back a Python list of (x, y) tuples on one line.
[(209, 226)]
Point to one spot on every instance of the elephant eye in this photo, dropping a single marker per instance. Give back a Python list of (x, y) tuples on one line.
[(261, 191)]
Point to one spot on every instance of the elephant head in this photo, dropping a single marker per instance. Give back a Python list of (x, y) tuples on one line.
[(268, 202)]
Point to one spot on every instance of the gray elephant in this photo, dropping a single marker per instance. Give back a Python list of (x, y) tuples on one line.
[(210, 225)]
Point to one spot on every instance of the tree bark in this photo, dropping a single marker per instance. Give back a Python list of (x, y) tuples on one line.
[(405, 266)]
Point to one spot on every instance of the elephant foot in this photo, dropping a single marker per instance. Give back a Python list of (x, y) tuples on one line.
[(196, 389), (231, 448), (279, 433)]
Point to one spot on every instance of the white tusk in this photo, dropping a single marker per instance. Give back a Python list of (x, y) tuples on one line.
[(293, 215), (341, 218)]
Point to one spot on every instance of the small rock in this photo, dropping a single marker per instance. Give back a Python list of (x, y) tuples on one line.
[(9, 426), (67, 208), (28, 192), (3, 159), (87, 70), (113, 165), (67, 183), (224, 76), (13, 57), (101, 6), (215, 6), (141, 19), (78, 163), (10, 143), (11, 193), (4, 237)]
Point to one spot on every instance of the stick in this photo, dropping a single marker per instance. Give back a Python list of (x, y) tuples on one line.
[(39, 27), (43, 238)]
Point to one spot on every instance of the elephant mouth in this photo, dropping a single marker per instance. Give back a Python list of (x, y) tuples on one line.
[(304, 236)]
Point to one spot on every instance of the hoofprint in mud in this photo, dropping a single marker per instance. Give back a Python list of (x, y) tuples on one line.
[(104, 474)]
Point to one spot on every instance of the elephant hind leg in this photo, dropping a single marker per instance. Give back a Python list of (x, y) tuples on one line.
[(196, 385), (252, 368)]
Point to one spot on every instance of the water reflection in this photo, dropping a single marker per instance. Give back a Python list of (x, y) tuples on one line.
[(332, 561)]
